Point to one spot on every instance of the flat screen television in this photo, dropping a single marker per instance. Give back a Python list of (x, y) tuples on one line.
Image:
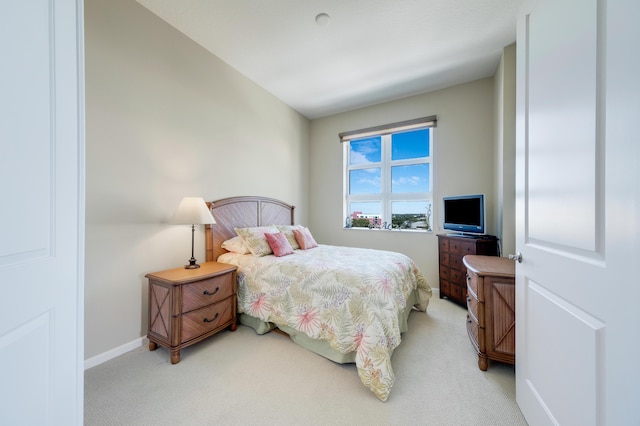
[(464, 214)]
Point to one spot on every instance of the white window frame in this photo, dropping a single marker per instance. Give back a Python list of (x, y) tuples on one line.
[(386, 197)]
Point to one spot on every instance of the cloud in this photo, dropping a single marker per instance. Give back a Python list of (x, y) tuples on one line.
[(408, 180)]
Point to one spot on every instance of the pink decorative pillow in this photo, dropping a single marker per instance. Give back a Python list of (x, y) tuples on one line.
[(304, 238), (279, 244)]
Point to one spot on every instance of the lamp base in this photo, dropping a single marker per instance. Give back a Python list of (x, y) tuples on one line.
[(192, 264)]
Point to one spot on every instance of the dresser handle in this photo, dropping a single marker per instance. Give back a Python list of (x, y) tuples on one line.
[(211, 320), (208, 293)]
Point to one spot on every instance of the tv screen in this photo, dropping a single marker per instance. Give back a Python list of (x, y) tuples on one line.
[(464, 214)]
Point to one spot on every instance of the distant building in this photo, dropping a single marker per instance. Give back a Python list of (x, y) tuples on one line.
[(374, 219)]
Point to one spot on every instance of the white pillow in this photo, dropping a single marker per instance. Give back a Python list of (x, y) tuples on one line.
[(235, 245)]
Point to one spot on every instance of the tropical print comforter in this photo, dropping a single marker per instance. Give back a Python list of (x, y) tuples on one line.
[(348, 296)]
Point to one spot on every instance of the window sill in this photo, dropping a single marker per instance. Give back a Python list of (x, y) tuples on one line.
[(412, 231)]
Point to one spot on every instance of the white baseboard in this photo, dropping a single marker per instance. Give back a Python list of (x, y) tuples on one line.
[(115, 352)]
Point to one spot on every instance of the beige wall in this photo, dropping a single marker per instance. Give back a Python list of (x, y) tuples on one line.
[(505, 149), (166, 119), (464, 164)]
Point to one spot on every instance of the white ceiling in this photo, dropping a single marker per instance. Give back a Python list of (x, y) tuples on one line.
[(371, 51)]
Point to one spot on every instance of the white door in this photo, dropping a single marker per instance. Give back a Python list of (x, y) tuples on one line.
[(42, 212), (578, 210)]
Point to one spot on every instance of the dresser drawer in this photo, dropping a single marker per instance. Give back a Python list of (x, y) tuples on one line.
[(456, 263), (472, 282), (461, 248), (203, 320), (472, 303), (472, 309), (445, 287), (444, 259), (456, 292), (457, 276), (472, 330), (475, 309), (206, 292), (444, 272), (444, 244)]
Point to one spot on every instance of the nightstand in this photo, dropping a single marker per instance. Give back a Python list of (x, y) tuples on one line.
[(189, 305), (491, 303)]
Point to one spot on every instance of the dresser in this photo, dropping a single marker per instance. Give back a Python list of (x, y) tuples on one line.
[(491, 303), (451, 250), (189, 305)]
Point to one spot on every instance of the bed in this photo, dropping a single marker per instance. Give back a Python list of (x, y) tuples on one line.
[(349, 305)]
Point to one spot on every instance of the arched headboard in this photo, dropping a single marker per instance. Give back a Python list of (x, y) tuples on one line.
[(242, 212)]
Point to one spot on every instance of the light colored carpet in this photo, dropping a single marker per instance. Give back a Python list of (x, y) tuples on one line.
[(241, 378)]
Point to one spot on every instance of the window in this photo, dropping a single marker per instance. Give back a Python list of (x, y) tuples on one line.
[(388, 176)]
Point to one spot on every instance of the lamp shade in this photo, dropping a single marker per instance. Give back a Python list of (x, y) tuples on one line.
[(192, 211)]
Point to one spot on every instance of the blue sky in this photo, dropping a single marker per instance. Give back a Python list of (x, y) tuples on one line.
[(411, 178), (407, 145)]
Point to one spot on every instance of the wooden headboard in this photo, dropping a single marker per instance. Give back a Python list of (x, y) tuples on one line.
[(242, 212)]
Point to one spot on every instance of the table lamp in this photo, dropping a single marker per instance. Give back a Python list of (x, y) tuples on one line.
[(192, 211)]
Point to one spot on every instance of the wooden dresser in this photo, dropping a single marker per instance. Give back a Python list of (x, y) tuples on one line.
[(189, 305), (491, 302), (451, 250)]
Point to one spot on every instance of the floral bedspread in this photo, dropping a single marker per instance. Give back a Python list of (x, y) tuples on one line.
[(347, 296)]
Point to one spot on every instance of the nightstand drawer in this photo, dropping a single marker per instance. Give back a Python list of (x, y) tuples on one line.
[(203, 320), (206, 292)]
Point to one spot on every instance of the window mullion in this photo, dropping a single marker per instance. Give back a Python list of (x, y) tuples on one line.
[(386, 171)]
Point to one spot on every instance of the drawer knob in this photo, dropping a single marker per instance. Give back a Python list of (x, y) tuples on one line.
[(211, 320), (208, 293)]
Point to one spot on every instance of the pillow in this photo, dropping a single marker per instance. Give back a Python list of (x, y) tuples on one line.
[(253, 238), (287, 230), (235, 245), (279, 244), (304, 238)]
